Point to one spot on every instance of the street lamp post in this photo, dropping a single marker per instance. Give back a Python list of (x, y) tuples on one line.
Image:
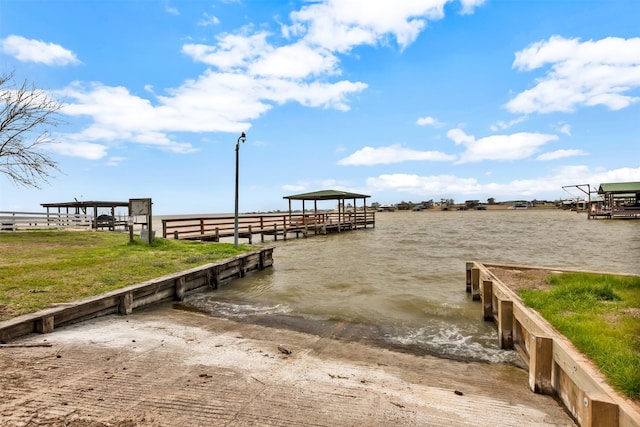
[(242, 138)]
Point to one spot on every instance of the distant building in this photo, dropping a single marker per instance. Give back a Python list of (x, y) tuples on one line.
[(619, 200)]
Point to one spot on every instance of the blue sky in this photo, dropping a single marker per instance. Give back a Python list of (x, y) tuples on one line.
[(405, 100)]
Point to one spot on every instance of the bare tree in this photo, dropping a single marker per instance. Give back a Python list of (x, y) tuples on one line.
[(26, 114)]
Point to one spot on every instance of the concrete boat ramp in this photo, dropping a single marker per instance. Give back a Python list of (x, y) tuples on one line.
[(166, 367)]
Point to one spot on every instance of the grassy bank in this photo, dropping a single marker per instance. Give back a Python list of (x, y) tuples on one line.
[(600, 314), (41, 268)]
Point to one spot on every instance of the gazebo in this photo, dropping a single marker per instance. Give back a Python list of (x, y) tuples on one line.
[(621, 199), (339, 196), (89, 207)]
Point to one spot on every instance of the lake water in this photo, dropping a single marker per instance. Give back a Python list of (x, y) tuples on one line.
[(402, 283)]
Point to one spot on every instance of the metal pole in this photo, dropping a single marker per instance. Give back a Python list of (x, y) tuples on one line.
[(235, 230)]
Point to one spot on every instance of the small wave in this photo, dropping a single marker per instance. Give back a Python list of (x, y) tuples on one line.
[(234, 309), (448, 341)]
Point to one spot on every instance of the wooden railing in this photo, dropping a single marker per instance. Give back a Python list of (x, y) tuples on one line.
[(13, 221), (215, 227), (624, 212), (556, 367)]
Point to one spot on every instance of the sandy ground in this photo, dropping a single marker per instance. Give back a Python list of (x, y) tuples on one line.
[(167, 367)]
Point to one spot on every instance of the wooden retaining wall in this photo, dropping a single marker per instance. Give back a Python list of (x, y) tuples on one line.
[(556, 367), (125, 300)]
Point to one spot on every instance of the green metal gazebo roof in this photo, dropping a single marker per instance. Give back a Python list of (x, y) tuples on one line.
[(619, 187), (327, 195)]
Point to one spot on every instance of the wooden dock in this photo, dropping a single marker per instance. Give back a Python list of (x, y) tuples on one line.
[(622, 212), (215, 227)]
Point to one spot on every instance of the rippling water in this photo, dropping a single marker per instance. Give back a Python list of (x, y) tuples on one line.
[(402, 283)]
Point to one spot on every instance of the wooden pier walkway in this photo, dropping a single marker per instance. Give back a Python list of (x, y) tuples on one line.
[(213, 228)]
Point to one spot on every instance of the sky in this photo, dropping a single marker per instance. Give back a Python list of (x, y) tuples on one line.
[(403, 100)]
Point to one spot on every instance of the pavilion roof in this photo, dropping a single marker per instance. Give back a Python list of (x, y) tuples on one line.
[(327, 195), (85, 204), (619, 187)]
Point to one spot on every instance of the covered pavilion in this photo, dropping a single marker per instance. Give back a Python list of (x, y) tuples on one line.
[(89, 208), (339, 196), (621, 199)]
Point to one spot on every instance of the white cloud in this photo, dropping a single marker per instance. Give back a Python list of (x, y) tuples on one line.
[(561, 154), (250, 75), (171, 10), (37, 51), (469, 6), (564, 128), (340, 25), (115, 161), (498, 147), (590, 73), (392, 154), (315, 185), (428, 121), (446, 185), (252, 54), (85, 150), (424, 185), (208, 20), (231, 50), (215, 102), (294, 188), (296, 61), (502, 125), (616, 175)]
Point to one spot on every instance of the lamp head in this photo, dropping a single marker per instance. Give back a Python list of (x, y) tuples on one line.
[(242, 137)]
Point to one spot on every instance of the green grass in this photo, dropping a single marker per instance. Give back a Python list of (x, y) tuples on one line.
[(600, 314), (41, 268)]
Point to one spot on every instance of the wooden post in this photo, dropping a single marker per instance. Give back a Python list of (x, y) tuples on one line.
[(213, 277), (275, 232), (469, 267), (180, 288), (250, 235), (487, 299), (364, 209), (505, 324), (475, 284), (217, 233), (241, 267), (599, 411), (541, 364), (126, 304), (202, 226), (45, 325)]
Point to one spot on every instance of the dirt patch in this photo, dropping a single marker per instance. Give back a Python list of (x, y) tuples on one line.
[(517, 279)]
